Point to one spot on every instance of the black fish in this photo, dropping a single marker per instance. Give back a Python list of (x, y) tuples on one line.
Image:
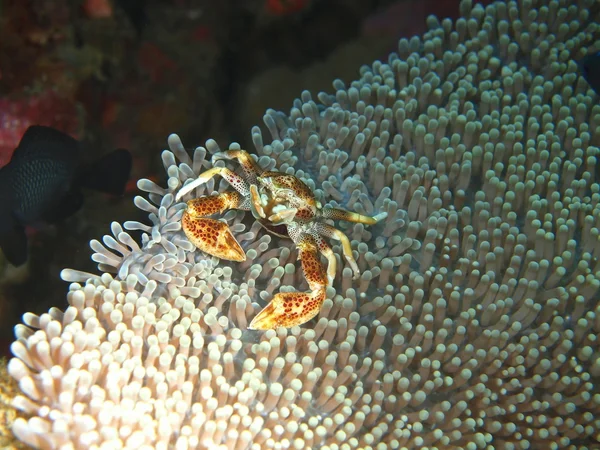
[(42, 184), (590, 69)]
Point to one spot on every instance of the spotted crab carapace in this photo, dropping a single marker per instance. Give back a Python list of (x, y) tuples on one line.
[(284, 206)]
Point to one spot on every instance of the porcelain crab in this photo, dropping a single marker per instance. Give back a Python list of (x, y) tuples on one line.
[(284, 206)]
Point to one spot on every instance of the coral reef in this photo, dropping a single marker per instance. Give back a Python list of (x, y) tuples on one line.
[(473, 324)]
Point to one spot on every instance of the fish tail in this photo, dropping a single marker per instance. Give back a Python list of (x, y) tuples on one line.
[(13, 241), (109, 174)]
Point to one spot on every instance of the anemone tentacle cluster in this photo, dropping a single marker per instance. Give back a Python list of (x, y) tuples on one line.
[(474, 323)]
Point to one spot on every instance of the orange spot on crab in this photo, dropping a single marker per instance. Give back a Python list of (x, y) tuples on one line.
[(284, 206)]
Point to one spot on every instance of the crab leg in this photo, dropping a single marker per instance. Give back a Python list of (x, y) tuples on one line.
[(349, 216), (209, 235), (328, 231), (237, 182), (251, 169), (325, 249), (288, 309)]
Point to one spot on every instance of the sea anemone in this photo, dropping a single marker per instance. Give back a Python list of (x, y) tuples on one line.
[(473, 323)]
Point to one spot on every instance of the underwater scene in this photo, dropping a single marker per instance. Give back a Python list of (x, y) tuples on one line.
[(386, 238)]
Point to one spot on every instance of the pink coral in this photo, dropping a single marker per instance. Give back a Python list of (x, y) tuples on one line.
[(47, 108)]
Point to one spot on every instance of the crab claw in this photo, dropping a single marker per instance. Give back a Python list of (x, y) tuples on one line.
[(213, 237), (288, 309), (209, 235)]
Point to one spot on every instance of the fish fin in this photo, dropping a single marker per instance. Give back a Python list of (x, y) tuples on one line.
[(109, 174), (13, 243), (68, 205), (50, 139)]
